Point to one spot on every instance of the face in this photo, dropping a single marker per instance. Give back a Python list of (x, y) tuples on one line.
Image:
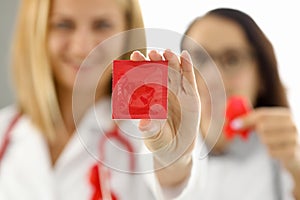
[(226, 43), (75, 28)]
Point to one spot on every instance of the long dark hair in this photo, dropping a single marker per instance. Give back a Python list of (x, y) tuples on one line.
[(273, 92)]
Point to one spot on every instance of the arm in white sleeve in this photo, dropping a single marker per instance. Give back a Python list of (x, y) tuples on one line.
[(189, 189)]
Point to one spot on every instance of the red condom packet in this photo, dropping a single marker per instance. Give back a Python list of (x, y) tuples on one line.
[(236, 106), (140, 89)]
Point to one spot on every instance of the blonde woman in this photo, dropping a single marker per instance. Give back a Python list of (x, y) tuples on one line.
[(41, 156)]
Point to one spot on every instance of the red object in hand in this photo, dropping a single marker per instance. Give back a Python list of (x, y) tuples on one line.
[(140, 89), (236, 106)]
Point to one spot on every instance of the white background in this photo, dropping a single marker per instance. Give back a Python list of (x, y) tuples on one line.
[(279, 20)]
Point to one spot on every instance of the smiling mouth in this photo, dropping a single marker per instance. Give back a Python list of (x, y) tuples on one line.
[(85, 65)]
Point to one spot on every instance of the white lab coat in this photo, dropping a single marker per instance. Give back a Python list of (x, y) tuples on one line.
[(26, 172), (246, 172)]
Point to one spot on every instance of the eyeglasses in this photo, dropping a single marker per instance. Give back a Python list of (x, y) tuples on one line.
[(230, 61)]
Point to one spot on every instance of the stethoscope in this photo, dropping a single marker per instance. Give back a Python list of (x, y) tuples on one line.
[(102, 174), (103, 171), (102, 185)]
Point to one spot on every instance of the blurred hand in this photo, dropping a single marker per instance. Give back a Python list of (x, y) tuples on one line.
[(173, 139), (277, 131)]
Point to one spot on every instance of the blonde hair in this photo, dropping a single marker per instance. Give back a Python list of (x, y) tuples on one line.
[(35, 89)]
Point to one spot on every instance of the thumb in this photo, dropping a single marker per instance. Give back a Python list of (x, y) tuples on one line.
[(152, 133), (149, 127), (246, 121)]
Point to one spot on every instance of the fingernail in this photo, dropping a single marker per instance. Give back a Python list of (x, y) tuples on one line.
[(236, 124), (133, 53), (144, 124), (149, 127), (185, 54), (153, 51), (168, 52)]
